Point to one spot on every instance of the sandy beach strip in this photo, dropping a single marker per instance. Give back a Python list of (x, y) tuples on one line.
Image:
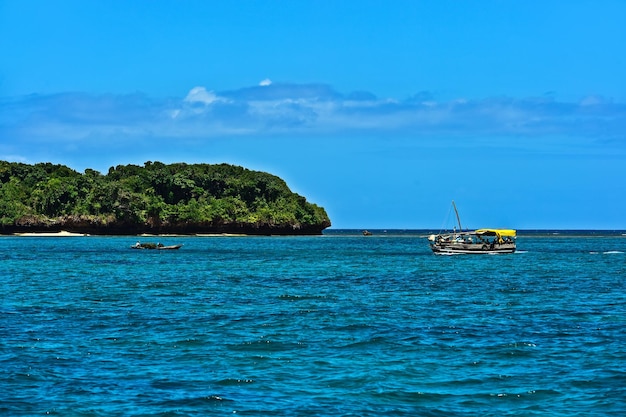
[(62, 233)]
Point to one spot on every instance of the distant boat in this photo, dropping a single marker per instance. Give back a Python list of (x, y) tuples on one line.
[(366, 233), (480, 241), (154, 246)]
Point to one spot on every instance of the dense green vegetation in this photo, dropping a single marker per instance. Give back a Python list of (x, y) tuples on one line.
[(155, 198)]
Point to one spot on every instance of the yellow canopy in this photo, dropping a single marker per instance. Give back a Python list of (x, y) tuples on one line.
[(496, 232)]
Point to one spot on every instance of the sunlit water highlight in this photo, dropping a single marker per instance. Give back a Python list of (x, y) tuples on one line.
[(339, 324)]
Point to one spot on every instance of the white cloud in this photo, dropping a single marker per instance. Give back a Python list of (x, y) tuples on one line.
[(201, 95), (265, 82), (592, 101)]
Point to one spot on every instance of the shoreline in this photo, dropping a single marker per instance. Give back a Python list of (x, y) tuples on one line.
[(553, 233)]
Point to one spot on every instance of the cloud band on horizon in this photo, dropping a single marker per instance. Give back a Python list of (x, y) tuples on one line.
[(299, 109)]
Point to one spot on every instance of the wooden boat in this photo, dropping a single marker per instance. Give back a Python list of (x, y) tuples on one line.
[(480, 241), (155, 246)]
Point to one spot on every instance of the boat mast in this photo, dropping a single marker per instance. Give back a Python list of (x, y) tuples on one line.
[(458, 219)]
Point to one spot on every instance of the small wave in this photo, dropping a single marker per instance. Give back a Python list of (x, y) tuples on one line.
[(521, 344), (612, 252), (294, 297), (235, 381), (265, 345), (548, 393)]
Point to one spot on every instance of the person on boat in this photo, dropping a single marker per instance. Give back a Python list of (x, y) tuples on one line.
[(138, 244)]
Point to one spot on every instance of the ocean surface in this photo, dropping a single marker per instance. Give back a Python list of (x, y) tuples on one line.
[(332, 325)]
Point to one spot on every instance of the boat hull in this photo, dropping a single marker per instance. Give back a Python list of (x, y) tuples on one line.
[(471, 249)]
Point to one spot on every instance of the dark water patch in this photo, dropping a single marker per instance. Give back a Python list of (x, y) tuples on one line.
[(363, 344), (193, 402)]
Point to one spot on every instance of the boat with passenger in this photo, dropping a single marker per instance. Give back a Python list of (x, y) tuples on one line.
[(479, 241), (155, 246)]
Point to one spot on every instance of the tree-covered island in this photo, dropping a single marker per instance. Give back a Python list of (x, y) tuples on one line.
[(156, 198)]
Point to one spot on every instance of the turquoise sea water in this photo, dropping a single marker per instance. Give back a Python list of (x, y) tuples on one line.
[(333, 325)]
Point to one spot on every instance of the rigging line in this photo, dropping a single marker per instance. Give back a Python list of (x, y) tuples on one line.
[(446, 221)]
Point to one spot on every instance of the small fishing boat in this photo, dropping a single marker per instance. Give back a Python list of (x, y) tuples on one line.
[(155, 246), (479, 241)]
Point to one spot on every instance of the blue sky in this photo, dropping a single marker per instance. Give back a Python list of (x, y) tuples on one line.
[(382, 112)]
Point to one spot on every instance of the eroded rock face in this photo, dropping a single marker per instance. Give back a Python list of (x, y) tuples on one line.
[(110, 226)]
